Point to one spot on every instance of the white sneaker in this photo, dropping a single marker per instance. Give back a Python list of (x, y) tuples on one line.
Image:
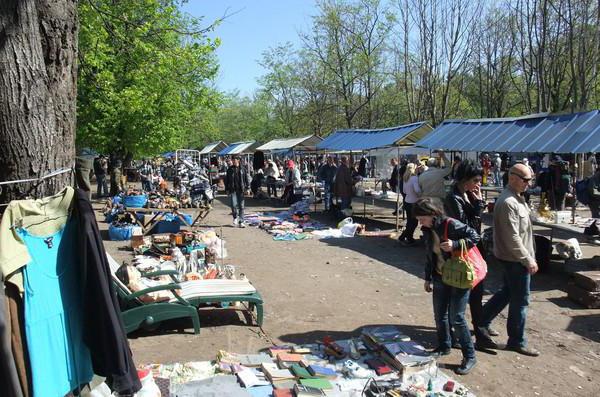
[(236, 222), (353, 370), (242, 224)]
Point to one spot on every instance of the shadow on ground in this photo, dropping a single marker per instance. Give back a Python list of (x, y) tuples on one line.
[(425, 335), (587, 326)]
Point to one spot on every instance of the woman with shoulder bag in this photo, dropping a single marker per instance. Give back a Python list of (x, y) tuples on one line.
[(443, 237), (465, 204)]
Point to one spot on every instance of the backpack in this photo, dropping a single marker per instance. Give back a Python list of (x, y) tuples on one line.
[(582, 192)]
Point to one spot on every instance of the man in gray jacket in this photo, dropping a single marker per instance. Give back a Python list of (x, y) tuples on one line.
[(431, 181), (514, 249)]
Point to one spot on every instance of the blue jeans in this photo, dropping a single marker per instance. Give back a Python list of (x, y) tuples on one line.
[(328, 196), (515, 294), (237, 205), (449, 305), (498, 178)]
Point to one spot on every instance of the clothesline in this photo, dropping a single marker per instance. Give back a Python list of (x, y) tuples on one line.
[(50, 175)]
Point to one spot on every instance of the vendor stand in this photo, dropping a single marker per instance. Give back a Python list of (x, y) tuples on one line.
[(362, 141), (159, 214)]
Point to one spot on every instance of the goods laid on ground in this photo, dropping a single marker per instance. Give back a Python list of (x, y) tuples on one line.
[(295, 224), (382, 362)]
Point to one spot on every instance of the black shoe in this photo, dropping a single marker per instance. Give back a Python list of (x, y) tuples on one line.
[(526, 351), (466, 366), (484, 340), (440, 351)]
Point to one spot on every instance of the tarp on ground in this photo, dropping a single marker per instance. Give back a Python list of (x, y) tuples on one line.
[(302, 144), (239, 148), (541, 133), (213, 147), (362, 139)]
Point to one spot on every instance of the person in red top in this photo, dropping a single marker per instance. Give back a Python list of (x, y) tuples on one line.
[(486, 164)]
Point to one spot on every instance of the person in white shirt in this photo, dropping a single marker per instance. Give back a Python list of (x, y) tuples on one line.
[(412, 191)]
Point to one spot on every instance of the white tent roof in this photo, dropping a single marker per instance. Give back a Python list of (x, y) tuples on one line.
[(305, 143), (239, 148), (213, 147)]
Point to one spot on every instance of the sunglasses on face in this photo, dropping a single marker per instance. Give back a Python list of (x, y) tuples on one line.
[(522, 177)]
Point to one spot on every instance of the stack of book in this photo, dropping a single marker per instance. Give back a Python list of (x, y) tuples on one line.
[(408, 357), (376, 337)]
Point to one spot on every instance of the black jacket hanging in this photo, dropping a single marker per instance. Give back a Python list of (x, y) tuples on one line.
[(104, 332)]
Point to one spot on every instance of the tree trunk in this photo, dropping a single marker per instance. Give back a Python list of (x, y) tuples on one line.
[(38, 92)]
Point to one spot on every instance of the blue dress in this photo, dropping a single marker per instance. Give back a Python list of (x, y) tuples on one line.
[(60, 361)]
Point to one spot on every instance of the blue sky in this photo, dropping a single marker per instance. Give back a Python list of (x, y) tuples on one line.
[(254, 27)]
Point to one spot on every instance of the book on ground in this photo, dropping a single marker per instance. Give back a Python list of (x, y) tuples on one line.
[(322, 372), (306, 391), (274, 373), (322, 384), (301, 372)]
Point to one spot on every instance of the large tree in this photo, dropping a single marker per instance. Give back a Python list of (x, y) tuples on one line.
[(38, 52), (146, 73)]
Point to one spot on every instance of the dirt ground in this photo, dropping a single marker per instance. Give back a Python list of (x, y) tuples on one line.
[(315, 288)]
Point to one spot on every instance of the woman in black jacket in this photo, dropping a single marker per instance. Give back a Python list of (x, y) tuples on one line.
[(465, 203), (443, 236)]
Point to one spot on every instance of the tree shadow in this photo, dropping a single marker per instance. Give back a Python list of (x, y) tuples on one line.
[(420, 334), (209, 317), (587, 326)]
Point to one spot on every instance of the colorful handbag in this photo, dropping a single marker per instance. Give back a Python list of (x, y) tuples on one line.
[(459, 270)]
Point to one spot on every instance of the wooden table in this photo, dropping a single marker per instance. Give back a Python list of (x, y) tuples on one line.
[(563, 227), (160, 213)]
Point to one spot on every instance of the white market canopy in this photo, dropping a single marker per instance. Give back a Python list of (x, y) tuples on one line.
[(302, 144), (239, 148), (213, 147)]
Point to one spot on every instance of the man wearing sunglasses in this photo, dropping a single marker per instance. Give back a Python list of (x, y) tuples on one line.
[(513, 247)]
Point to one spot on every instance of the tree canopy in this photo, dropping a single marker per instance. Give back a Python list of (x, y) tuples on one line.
[(145, 75)]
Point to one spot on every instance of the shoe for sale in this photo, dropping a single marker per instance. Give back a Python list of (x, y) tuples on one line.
[(466, 366), (353, 370), (440, 351), (526, 351)]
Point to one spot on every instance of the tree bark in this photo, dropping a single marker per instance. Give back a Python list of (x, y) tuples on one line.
[(38, 92)]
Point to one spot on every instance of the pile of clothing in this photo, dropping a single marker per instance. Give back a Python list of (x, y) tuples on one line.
[(286, 225)]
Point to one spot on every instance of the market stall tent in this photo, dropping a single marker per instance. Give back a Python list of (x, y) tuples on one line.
[(542, 133), (364, 140), (302, 144), (213, 147), (246, 147)]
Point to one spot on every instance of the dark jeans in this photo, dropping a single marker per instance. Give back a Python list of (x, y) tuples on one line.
[(328, 195), (449, 305), (271, 187), (556, 200), (146, 185), (515, 294), (595, 208), (476, 306), (237, 205), (411, 222), (346, 202), (102, 190)]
